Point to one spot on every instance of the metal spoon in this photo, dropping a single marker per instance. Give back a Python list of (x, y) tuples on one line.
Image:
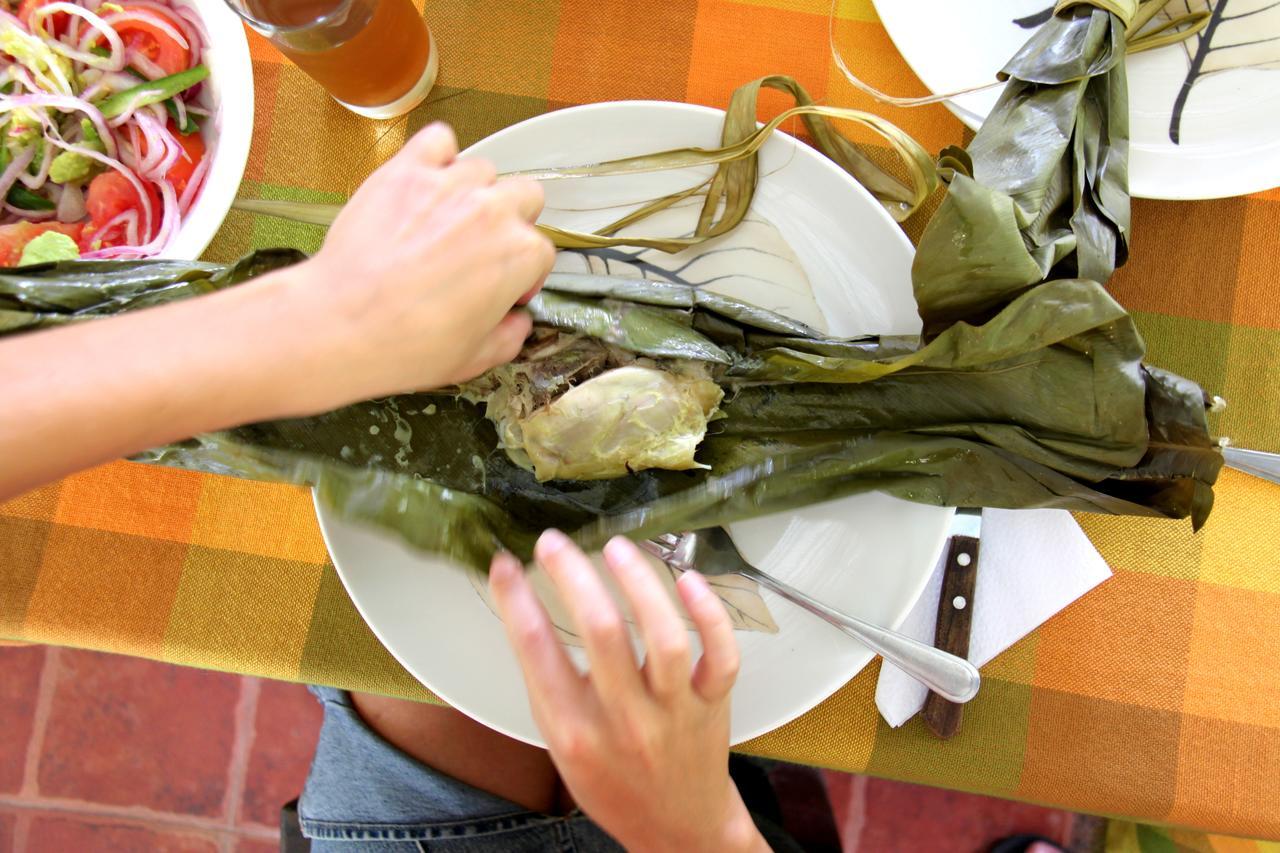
[(711, 551)]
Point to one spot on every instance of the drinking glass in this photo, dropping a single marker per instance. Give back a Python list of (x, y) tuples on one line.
[(376, 57)]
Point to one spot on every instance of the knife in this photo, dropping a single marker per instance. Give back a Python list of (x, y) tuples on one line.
[(955, 613), (1259, 463)]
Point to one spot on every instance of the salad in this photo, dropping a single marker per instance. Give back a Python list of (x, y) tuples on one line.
[(101, 107)]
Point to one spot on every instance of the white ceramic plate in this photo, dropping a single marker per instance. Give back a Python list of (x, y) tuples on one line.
[(868, 554), (227, 136), (1228, 125)]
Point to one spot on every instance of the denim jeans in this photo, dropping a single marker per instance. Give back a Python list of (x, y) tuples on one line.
[(363, 794)]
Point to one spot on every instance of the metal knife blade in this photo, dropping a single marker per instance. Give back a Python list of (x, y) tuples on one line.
[(955, 613), (1259, 463)]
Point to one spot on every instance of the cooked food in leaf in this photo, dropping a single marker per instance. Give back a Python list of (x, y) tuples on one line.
[(1047, 403), (624, 420), (572, 408)]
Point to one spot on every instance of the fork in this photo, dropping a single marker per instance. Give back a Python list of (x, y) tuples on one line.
[(711, 551)]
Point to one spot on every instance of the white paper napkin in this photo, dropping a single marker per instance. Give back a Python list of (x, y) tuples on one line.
[(1031, 564)]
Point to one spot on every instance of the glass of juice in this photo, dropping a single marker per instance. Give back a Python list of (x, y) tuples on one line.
[(376, 57)]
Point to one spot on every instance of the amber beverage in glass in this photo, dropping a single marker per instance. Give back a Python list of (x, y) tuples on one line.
[(376, 57)]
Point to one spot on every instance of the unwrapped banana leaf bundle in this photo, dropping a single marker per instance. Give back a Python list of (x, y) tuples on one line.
[(731, 412), (1042, 191)]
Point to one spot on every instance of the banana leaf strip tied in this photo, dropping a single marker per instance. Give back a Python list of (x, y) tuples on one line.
[(1042, 191), (1044, 404)]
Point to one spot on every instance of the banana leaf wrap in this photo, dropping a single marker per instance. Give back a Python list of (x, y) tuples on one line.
[(1045, 404), (1042, 191)]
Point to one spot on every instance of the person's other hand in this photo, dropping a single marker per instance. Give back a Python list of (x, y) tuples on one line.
[(419, 275), (643, 750)]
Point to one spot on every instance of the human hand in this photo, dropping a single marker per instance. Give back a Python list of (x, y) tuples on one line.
[(643, 750), (415, 285)]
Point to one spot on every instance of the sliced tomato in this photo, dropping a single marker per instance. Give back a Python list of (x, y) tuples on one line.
[(110, 194), (179, 173), (152, 42), (15, 237), (56, 24)]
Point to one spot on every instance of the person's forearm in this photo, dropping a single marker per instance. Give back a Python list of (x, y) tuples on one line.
[(413, 288), (734, 832), (94, 391)]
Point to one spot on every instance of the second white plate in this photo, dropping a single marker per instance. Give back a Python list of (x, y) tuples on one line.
[(1204, 116)]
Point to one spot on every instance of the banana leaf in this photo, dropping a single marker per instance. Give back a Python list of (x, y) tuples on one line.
[(1042, 191), (1045, 404), (727, 194)]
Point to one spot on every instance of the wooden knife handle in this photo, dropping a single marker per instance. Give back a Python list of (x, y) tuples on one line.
[(955, 618)]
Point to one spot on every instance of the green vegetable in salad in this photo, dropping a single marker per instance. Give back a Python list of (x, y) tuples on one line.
[(49, 247), (44, 63), (187, 127), (20, 196), (72, 167), (91, 137), (152, 91), (25, 128)]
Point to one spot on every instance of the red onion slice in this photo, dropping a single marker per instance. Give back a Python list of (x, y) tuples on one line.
[(192, 190), (16, 166), (29, 215), (97, 29), (66, 104), (127, 221), (168, 225), (162, 149), (150, 18), (58, 83), (112, 163), (70, 204), (189, 17), (36, 181), (180, 107), (141, 62)]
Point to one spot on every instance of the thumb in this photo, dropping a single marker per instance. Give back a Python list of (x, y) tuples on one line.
[(434, 145), (502, 344)]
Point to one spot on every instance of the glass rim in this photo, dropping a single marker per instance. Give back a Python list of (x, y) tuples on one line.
[(327, 18)]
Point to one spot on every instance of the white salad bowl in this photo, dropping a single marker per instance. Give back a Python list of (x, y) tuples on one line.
[(227, 136)]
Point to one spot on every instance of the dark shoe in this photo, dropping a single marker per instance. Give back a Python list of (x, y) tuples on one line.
[(1020, 843)]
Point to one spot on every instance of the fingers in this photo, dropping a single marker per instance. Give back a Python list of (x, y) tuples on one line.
[(667, 655), (528, 295), (434, 145), (532, 254), (502, 345), (529, 258), (549, 675), (524, 194), (469, 174), (603, 630), (431, 158), (505, 341), (716, 670)]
